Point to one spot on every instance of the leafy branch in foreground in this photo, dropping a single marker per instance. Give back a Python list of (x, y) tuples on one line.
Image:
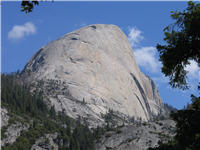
[(27, 5), (183, 44)]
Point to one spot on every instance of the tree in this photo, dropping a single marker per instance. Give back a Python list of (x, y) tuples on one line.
[(188, 129), (183, 44), (27, 5)]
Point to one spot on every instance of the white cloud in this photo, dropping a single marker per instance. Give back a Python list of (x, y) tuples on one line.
[(135, 36), (19, 31), (146, 58), (193, 70)]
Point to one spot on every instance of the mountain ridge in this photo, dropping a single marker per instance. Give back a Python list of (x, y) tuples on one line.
[(90, 71)]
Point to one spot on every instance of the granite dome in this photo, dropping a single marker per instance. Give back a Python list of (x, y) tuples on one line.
[(92, 70)]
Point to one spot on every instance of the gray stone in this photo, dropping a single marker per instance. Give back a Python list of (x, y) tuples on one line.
[(4, 117), (13, 132), (46, 142), (91, 70), (138, 136)]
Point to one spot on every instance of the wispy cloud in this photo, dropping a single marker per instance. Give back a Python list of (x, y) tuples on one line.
[(20, 31), (134, 36), (193, 70), (193, 76), (160, 79), (145, 56)]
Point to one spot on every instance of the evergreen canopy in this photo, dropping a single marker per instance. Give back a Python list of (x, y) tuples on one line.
[(182, 44)]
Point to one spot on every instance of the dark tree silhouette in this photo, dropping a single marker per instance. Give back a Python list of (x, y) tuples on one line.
[(28, 5), (183, 44)]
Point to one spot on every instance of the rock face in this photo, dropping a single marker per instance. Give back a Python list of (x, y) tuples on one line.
[(13, 132), (138, 136), (91, 70), (4, 117), (45, 143)]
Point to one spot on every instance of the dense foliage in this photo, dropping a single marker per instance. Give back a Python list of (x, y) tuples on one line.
[(19, 99), (28, 5), (183, 44), (188, 126), (32, 109)]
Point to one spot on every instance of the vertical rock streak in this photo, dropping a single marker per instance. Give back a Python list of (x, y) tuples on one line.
[(143, 95)]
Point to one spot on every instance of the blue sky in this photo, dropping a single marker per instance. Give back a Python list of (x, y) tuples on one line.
[(142, 22)]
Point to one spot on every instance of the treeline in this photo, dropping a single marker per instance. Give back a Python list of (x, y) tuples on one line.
[(17, 98)]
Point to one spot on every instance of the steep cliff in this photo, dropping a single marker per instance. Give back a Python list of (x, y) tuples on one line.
[(92, 70)]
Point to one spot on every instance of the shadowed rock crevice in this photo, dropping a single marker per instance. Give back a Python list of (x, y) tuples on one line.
[(72, 60), (37, 53), (142, 105), (94, 27), (142, 93), (74, 39)]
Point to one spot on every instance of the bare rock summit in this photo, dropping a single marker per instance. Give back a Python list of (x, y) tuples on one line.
[(92, 70)]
